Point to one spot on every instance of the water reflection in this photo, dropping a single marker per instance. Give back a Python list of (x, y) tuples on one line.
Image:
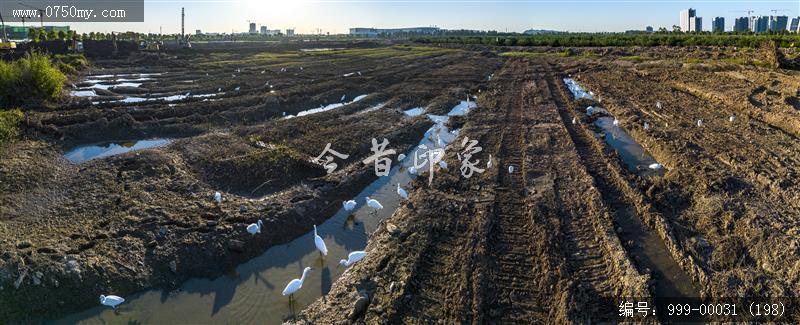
[(632, 154), (88, 152)]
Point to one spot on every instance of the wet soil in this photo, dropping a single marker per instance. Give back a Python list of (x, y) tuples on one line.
[(146, 218)]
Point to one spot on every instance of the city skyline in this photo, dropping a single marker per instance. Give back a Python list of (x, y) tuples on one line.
[(337, 16)]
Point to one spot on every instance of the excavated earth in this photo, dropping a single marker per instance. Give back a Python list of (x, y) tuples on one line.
[(71, 231), (552, 242), (562, 237)]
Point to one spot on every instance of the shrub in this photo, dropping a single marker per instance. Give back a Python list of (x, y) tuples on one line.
[(9, 124), (31, 79)]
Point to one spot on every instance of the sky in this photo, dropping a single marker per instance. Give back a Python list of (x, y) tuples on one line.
[(336, 16)]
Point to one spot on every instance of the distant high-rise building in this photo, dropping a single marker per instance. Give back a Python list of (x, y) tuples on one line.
[(741, 24), (264, 30), (795, 23), (289, 32), (718, 26), (759, 24), (198, 32), (686, 15), (696, 24), (778, 23), (253, 28)]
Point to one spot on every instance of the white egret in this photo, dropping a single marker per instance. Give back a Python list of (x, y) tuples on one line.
[(349, 205), (699, 123), (323, 250), (443, 164), (237, 88), (412, 170), (238, 70), (646, 126), (284, 113), (655, 166), (255, 228), (732, 118), (574, 121), (343, 97), (658, 105), (218, 197), (233, 76), (489, 163), (401, 156), (219, 90), (402, 192), (263, 71), (352, 258), (295, 284), (373, 203), (616, 122), (511, 169), (111, 301)]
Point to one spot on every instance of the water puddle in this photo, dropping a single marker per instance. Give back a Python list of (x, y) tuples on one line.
[(577, 91), (417, 111), (325, 107), (94, 151), (632, 154), (253, 293), (83, 93), (322, 49), (171, 98)]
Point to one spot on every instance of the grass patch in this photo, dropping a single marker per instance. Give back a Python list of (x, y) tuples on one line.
[(29, 80), (9, 124), (634, 58)]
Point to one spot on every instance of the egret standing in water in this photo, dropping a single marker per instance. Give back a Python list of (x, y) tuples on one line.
[(295, 285), (349, 205), (402, 192), (374, 204), (616, 122), (111, 301), (323, 250), (412, 170), (255, 228), (352, 258)]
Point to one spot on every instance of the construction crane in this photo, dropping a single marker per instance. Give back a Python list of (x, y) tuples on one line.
[(41, 13), (776, 11), (749, 12)]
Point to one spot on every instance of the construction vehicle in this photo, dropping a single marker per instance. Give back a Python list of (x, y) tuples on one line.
[(5, 43)]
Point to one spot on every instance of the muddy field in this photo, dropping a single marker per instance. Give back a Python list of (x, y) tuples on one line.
[(560, 237)]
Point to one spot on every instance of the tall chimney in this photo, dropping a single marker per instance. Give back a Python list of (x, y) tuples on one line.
[(183, 35)]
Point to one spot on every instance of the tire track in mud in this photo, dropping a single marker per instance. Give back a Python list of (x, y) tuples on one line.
[(645, 246), (511, 296)]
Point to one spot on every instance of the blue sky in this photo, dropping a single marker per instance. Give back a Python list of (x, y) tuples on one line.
[(336, 16)]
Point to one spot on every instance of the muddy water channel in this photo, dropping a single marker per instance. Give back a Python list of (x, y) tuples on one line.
[(252, 294), (630, 151), (94, 151)]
